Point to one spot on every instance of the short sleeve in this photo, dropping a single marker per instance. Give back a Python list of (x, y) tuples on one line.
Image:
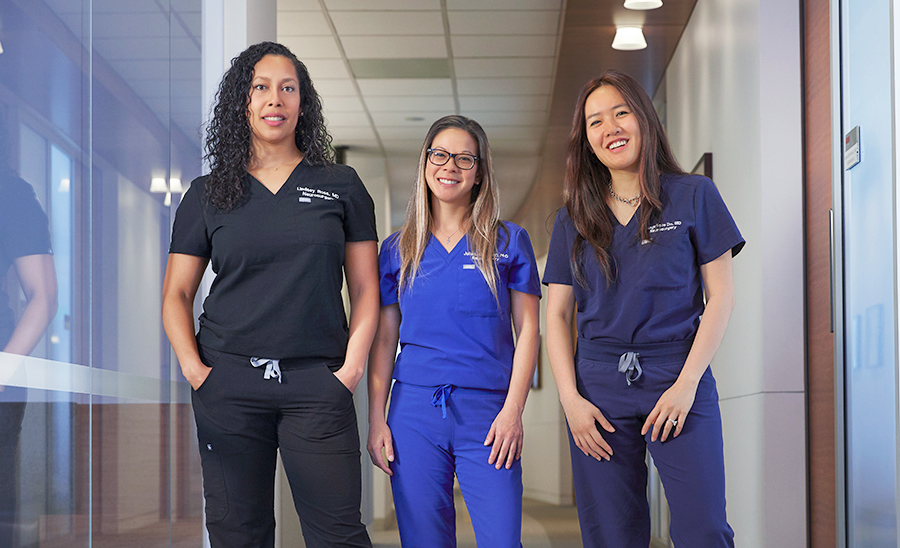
[(714, 231), (24, 227), (190, 235), (359, 222), (559, 268), (523, 274), (387, 272)]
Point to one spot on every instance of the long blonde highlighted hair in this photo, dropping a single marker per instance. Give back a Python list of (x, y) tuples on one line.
[(483, 215)]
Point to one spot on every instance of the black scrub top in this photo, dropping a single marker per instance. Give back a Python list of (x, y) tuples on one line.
[(278, 260), (657, 294), (24, 230)]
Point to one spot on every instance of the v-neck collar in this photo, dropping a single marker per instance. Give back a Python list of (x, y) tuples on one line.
[(281, 189), (453, 252)]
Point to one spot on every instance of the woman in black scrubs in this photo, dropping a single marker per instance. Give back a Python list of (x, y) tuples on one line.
[(275, 363)]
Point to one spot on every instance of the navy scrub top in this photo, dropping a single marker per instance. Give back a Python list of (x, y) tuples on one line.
[(278, 260), (657, 294), (452, 330)]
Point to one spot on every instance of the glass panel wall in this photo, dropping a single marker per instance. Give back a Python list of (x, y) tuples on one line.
[(100, 113)]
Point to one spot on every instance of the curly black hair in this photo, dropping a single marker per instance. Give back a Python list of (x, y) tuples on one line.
[(228, 132)]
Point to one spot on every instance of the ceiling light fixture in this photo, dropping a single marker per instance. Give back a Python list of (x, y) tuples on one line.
[(643, 4), (158, 185), (629, 39)]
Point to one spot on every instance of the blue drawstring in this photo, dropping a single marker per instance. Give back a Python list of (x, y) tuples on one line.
[(439, 399), (272, 369), (630, 365)]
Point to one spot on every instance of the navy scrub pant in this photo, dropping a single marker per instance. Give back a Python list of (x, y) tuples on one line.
[(612, 496), (439, 432), (243, 418)]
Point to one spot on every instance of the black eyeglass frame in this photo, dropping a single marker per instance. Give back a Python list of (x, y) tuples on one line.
[(430, 152)]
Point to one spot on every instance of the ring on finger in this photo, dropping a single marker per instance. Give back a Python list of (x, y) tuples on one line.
[(673, 421)]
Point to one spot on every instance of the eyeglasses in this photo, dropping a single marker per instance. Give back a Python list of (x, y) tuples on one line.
[(440, 157)]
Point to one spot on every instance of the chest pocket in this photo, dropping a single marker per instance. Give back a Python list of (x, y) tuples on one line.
[(474, 296), (319, 222), (666, 262)]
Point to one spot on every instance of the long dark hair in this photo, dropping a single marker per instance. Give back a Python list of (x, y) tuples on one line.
[(228, 132), (587, 179)]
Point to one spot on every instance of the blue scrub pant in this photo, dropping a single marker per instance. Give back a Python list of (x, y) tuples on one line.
[(612, 496), (429, 448), (243, 419)]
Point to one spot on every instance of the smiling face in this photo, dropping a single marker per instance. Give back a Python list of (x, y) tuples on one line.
[(613, 130), (274, 101), (448, 183)]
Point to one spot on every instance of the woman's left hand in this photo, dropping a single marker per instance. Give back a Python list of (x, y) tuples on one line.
[(674, 405), (506, 435)]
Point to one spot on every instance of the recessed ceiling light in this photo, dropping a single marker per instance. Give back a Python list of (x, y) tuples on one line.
[(629, 39), (643, 4)]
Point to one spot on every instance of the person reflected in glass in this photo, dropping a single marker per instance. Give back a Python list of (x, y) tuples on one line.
[(635, 250), (26, 261), (455, 282), (275, 363)]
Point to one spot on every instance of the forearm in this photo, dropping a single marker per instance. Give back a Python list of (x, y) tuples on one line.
[(178, 322), (561, 351), (708, 338), (363, 323), (381, 361), (32, 325), (524, 362)]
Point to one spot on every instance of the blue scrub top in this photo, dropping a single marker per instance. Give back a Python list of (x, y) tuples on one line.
[(657, 293), (452, 330)]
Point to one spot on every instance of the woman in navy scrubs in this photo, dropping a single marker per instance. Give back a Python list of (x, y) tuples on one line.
[(637, 245), (451, 280), (274, 364)]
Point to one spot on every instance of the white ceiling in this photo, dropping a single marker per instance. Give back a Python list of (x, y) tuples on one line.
[(492, 61)]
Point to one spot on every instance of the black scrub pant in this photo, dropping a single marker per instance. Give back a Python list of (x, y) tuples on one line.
[(243, 419), (11, 415)]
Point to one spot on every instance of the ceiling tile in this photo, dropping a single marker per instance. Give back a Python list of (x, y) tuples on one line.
[(476, 103), (299, 5), (334, 87), (302, 23), (404, 87), (515, 132), (506, 66), (421, 102), (516, 146), (399, 118), (354, 131), (401, 68), (312, 47), (503, 46), (346, 119), (326, 68), (394, 47), (506, 4), (508, 118), (503, 22), (388, 23), (383, 5), (504, 86), (347, 103), (407, 132)]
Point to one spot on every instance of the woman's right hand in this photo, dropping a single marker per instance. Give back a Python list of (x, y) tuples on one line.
[(197, 374), (380, 439), (583, 418)]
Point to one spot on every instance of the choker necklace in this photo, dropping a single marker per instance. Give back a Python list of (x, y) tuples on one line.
[(633, 202), (450, 236)]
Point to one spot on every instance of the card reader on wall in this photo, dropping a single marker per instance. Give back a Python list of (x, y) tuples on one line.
[(851, 148)]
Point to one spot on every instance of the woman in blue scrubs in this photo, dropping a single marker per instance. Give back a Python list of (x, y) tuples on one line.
[(452, 278), (636, 247)]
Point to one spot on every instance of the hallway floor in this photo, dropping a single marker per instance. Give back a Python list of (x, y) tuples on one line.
[(543, 526)]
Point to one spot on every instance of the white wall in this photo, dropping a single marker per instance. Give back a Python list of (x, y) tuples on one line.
[(734, 89)]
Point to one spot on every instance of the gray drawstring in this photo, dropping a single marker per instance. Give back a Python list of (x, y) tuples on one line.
[(630, 365), (272, 369)]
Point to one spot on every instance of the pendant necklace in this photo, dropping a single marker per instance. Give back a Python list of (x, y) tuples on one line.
[(450, 236)]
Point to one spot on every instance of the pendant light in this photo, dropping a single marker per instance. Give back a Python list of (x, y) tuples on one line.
[(629, 39), (643, 4)]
